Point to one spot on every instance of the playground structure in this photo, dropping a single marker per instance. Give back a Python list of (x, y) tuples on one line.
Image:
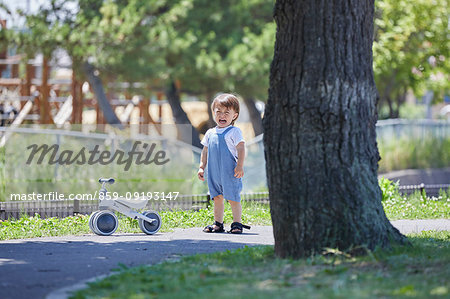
[(37, 98), (43, 94), (32, 92), (44, 91)]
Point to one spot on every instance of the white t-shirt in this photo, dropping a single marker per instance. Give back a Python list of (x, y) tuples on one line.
[(233, 138)]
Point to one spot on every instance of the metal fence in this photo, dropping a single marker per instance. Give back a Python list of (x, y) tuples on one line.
[(414, 129), (430, 190), (65, 208)]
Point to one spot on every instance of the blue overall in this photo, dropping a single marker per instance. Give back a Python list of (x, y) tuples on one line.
[(220, 169)]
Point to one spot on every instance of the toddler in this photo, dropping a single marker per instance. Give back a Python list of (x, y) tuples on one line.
[(222, 160)]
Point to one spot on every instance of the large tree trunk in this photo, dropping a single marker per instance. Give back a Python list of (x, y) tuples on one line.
[(186, 131), (319, 130), (255, 115), (96, 85)]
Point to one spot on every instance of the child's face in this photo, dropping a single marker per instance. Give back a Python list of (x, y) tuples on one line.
[(223, 116)]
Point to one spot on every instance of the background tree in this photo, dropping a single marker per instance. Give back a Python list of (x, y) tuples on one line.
[(6, 35), (206, 47), (248, 65), (44, 35), (195, 42), (109, 38), (52, 28), (319, 124), (410, 51)]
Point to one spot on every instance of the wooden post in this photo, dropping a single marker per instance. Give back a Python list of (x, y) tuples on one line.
[(29, 75), (100, 118), (144, 115), (77, 100), (76, 207), (159, 96), (15, 70), (128, 97), (44, 106)]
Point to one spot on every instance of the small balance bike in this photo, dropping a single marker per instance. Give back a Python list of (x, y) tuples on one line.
[(104, 222)]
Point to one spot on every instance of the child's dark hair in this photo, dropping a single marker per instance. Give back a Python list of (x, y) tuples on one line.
[(226, 100)]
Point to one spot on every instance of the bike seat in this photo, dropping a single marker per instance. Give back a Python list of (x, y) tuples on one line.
[(108, 181), (133, 203)]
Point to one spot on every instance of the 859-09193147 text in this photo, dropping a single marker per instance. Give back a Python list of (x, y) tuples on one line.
[(154, 195), (150, 195)]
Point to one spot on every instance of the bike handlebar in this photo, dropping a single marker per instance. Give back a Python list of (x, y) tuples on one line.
[(108, 181)]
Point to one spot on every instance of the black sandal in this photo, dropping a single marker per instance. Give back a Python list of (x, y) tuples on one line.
[(237, 227), (211, 229)]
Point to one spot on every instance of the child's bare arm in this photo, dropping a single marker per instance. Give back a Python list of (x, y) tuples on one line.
[(203, 161), (239, 170)]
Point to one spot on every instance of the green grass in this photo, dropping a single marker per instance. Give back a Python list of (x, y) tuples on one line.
[(416, 271), (252, 214), (414, 206), (34, 226), (413, 153), (417, 206), (31, 227)]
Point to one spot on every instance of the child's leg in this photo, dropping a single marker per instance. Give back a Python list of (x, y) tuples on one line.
[(218, 208), (236, 209)]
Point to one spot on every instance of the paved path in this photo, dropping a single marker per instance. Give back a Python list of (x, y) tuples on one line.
[(32, 268)]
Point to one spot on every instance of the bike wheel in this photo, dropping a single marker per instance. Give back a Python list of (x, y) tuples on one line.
[(105, 223), (153, 227), (91, 221)]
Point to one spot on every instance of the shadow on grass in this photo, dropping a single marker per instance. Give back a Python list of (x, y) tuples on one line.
[(417, 271), (32, 269)]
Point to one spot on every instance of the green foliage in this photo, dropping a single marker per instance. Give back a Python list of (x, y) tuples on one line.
[(411, 111), (388, 188), (249, 63), (208, 46), (255, 273), (212, 46), (2, 174), (6, 35), (411, 49), (46, 30)]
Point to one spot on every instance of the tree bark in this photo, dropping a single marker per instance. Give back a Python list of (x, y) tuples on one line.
[(393, 112), (387, 94), (209, 100), (319, 130), (255, 115), (97, 86), (191, 135)]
